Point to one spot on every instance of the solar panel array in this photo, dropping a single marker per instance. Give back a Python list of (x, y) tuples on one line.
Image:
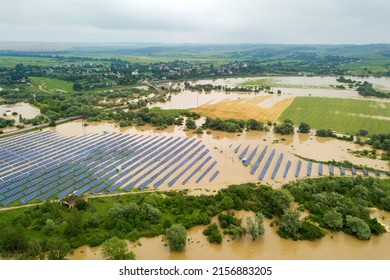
[(42, 165), (298, 165)]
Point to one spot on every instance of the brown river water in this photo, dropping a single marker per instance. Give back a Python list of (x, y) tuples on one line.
[(334, 246)]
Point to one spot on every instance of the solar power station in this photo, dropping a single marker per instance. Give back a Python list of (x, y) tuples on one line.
[(301, 168), (46, 165)]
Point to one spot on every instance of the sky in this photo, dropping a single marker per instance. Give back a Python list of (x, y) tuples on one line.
[(197, 21)]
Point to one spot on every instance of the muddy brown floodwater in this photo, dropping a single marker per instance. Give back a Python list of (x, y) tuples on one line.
[(232, 171), (26, 110), (334, 246)]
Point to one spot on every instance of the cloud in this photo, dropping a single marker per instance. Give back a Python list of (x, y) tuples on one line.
[(203, 21)]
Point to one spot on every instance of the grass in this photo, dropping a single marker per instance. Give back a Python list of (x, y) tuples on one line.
[(342, 115), (168, 112), (52, 84)]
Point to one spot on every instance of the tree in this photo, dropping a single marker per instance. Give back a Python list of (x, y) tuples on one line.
[(289, 222), (255, 228), (227, 203), (386, 145), (74, 224), (281, 200), (358, 227), (333, 219), (213, 234), (322, 132), (285, 129), (116, 249), (252, 124), (304, 128), (77, 86), (177, 237), (57, 249), (190, 123), (363, 132)]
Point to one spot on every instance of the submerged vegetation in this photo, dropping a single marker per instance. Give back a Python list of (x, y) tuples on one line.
[(335, 204)]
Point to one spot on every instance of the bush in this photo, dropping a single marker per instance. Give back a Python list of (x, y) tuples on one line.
[(358, 227), (213, 234), (177, 237), (309, 231), (116, 249)]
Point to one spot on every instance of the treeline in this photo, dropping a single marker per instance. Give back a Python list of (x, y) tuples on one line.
[(233, 125), (342, 204), (52, 229), (155, 116), (380, 141), (366, 89)]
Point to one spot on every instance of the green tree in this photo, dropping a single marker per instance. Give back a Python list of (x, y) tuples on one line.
[(227, 203), (333, 219), (289, 222), (77, 86), (213, 234), (284, 128), (304, 128), (57, 249), (252, 124), (358, 227), (363, 132), (256, 227), (190, 123), (177, 237), (74, 224), (281, 200), (116, 249)]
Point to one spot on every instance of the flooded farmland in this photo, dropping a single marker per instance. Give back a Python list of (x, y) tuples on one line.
[(244, 157), (25, 109), (226, 148)]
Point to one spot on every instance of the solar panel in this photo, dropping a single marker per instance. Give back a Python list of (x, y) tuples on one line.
[(251, 156), (299, 165), (267, 164), (258, 161), (278, 163), (242, 155)]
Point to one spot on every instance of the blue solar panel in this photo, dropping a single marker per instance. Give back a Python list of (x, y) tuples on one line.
[(173, 181), (353, 170), (237, 149), (214, 176), (288, 165), (320, 169), (309, 168), (342, 170), (278, 163), (196, 170), (331, 169), (242, 155), (206, 172), (258, 161), (251, 156), (267, 164), (298, 168), (181, 164), (377, 173)]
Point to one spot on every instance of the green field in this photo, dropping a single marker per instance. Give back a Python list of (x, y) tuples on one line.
[(342, 115), (52, 84)]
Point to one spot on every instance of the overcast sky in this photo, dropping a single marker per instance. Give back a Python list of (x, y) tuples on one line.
[(196, 21)]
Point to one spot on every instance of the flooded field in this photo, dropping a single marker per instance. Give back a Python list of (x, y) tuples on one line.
[(334, 246), (26, 110), (222, 146)]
